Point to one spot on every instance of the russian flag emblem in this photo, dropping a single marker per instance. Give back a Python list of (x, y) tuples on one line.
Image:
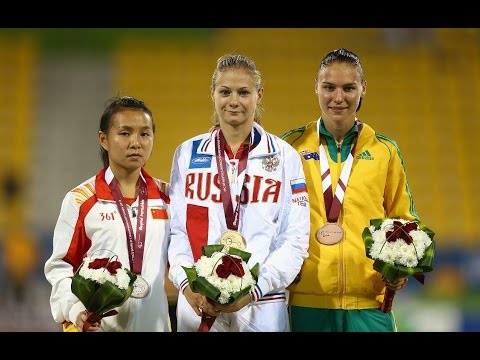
[(298, 186)]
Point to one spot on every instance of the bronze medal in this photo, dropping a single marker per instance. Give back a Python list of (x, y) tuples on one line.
[(330, 234), (140, 288), (232, 238)]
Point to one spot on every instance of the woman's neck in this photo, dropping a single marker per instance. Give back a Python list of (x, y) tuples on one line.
[(235, 137), (338, 130), (127, 181)]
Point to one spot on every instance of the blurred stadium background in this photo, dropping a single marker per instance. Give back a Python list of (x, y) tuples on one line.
[(423, 91)]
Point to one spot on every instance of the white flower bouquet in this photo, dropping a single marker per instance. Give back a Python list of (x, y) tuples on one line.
[(102, 285), (222, 274), (399, 248)]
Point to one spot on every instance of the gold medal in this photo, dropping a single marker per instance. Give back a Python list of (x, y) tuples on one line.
[(232, 238), (330, 234)]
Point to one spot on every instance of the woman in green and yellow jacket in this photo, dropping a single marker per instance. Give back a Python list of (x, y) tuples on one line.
[(353, 175)]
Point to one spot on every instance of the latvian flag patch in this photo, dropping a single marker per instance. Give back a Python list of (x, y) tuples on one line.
[(298, 186)]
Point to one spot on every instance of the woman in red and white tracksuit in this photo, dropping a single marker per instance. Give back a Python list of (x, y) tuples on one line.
[(92, 224)]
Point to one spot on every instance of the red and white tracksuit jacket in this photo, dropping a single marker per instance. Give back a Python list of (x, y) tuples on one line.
[(90, 225)]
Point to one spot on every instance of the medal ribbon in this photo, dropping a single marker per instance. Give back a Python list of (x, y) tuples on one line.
[(231, 216), (206, 323), (333, 203), (135, 244)]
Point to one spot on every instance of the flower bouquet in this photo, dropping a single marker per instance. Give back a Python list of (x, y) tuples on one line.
[(102, 285), (222, 275), (399, 248)]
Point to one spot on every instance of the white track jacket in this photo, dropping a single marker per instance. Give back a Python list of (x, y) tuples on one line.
[(274, 210), (90, 225)]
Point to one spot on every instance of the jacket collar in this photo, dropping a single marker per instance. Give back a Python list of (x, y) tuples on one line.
[(105, 176), (262, 143)]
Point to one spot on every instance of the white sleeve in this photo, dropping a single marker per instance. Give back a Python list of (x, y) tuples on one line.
[(292, 242), (57, 271), (179, 250)]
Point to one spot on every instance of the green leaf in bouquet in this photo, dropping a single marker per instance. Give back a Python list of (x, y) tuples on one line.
[(84, 288), (393, 273), (209, 250), (376, 223), (200, 285), (429, 232), (107, 297), (245, 256), (389, 272), (367, 238), (191, 275), (426, 263), (407, 271)]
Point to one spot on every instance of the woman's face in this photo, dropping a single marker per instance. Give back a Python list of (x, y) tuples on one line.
[(339, 88), (129, 140), (236, 98)]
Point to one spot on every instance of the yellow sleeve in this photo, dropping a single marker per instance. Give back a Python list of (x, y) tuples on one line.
[(398, 198)]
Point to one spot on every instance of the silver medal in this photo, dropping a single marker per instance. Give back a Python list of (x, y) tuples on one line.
[(140, 288)]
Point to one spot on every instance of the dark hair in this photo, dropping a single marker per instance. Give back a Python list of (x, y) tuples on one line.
[(342, 56), (229, 61), (116, 105)]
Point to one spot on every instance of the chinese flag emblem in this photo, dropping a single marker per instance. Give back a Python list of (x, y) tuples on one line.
[(159, 213)]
